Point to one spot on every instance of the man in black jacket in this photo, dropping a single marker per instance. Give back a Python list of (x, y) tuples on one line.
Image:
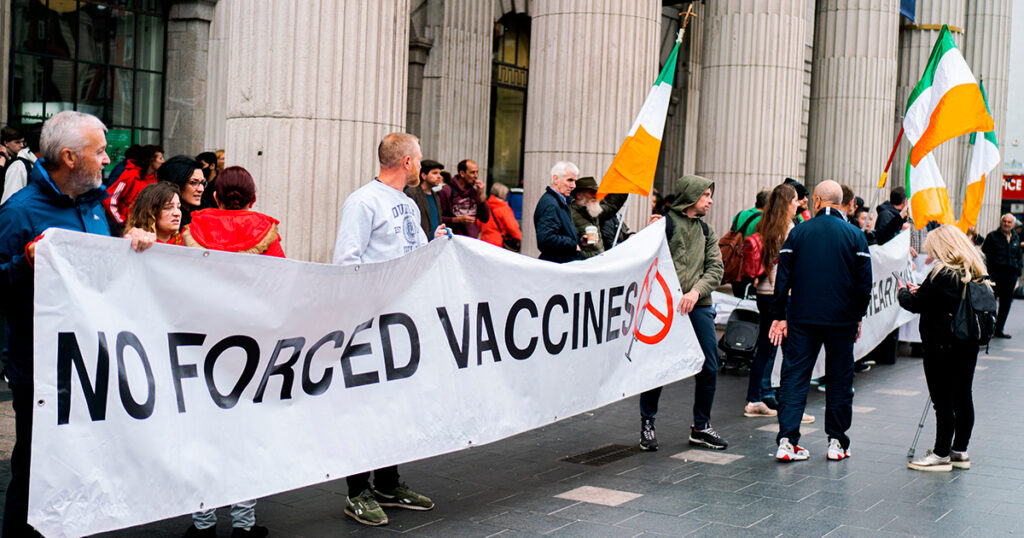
[(1002, 250), (892, 216), (822, 290), (556, 234)]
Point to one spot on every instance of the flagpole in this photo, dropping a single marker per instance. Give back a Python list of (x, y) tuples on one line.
[(885, 173), (679, 39)]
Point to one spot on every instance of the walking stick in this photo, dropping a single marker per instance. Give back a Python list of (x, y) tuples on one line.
[(920, 426)]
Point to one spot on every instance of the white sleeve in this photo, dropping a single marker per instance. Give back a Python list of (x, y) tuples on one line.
[(14, 180), (353, 233)]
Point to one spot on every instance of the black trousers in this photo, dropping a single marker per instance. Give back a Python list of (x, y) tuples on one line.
[(16, 504), (1004, 294), (949, 371), (385, 479)]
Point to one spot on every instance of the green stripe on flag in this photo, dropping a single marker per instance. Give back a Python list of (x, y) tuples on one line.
[(943, 45), (668, 72), (991, 135)]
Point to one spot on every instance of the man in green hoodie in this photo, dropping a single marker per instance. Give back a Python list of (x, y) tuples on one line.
[(698, 262)]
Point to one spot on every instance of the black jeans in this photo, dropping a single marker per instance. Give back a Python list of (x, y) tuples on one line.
[(802, 347), (1004, 294), (764, 351), (385, 479), (702, 318), (16, 505), (949, 371)]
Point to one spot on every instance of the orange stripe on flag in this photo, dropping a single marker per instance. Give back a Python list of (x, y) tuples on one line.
[(962, 110), (972, 204), (931, 204), (632, 170)]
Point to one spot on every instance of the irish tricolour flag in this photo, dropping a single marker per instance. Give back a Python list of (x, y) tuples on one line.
[(632, 169), (946, 103), (984, 157)]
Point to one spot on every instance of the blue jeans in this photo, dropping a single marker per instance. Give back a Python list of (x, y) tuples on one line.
[(243, 516), (764, 354), (703, 320), (802, 347)]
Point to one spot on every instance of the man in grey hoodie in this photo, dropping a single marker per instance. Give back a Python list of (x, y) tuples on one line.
[(698, 262)]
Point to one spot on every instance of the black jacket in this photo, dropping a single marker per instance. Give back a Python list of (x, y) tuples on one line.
[(888, 224), (826, 264), (556, 234), (1002, 257), (936, 300)]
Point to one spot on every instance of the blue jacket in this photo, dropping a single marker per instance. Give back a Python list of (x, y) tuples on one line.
[(826, 265), (556, 234), (40, 205)]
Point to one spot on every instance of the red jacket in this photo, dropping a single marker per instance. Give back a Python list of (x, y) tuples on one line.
[(124, 191), (233, 230), (503, 217)]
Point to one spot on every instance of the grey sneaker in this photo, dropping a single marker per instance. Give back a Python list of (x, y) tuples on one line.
[(364, 509), (403, 497), (931, 462), (960, 460)]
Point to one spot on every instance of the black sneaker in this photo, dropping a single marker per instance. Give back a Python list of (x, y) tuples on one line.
[(255, 531), (193, 532), (707, 437), (648, 441), (771, 402), (1001, 334), (861, 366)]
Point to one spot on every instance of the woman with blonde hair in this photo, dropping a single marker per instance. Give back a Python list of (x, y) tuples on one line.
[(948, 363)]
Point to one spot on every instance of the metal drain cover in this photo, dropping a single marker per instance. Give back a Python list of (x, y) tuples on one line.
[(604, 455)]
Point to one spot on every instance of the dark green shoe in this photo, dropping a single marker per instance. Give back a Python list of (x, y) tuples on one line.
[(403, 497), (364, 509)]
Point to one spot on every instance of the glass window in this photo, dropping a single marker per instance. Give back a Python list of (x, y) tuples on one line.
[(508, 99), (104, 57)]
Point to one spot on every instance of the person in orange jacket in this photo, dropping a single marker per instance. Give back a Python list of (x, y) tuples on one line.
[(501, 229), (138, 174)]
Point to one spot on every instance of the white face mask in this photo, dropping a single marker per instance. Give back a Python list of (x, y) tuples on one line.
[(437, 188)]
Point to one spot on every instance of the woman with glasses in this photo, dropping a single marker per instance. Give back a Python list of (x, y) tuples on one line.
[(187, 174), (232, 225)]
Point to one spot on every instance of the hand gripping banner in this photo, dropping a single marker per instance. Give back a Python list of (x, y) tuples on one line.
[(180, 379)]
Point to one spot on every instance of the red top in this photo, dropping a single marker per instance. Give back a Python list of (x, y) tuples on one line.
[(124, 191), (233, 230), (502, 219)]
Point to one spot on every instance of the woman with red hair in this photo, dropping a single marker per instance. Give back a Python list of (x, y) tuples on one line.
[(232, 226)]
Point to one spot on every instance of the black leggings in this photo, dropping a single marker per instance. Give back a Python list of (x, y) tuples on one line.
[(949, 371)]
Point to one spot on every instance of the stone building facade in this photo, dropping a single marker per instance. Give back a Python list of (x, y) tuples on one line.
[(300, 92)]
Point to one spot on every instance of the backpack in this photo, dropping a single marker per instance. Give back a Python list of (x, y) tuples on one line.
[(752, 266), (975, 318), (731, 245), (670, 228)]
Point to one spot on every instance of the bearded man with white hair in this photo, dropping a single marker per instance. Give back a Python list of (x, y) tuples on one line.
[(588, 211), (64, 191)]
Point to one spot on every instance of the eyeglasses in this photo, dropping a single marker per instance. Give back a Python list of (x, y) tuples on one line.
[(196, 183)]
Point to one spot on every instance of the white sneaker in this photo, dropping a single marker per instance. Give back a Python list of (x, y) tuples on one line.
[(836, 451), (931, 462), (789, 452), (959, 460)]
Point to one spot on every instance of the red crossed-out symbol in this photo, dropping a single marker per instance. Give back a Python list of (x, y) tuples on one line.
[(665, 317)]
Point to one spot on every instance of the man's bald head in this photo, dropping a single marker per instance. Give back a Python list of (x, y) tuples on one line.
[(829, 192)]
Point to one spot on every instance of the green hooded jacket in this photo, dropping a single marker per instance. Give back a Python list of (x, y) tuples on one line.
[(697, 258)]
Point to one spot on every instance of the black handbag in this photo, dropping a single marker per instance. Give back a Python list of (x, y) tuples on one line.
[(509, 243)]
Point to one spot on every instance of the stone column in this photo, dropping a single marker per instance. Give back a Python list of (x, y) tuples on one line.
[(217, 80), (854, 80), (313, 88), (694, 41), (188, 39), (591, 66), (751, 110), (418, 49), (916, 41), (457, 84), (5, 58), (987, 51)]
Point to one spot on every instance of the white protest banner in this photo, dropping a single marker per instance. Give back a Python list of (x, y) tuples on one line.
[(180, 379)]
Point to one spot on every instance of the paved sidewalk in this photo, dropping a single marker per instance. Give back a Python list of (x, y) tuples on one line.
[(521, 486)]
